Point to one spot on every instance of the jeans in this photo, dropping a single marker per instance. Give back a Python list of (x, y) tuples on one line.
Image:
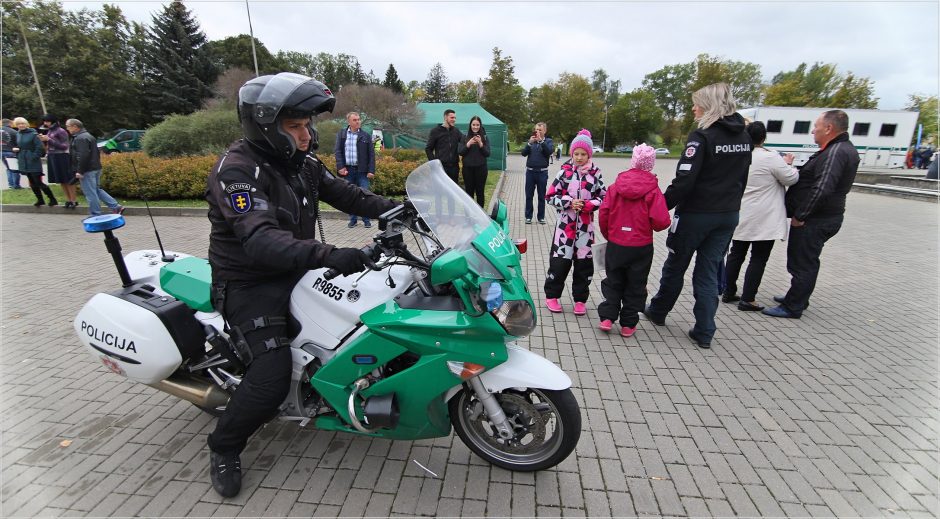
[(13, 175), (535, 180), (706, 235), (803, 251), (353, 176), (95, 194), (760, 252)]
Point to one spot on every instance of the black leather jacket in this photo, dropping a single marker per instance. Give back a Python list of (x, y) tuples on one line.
[(263, 213), (825, 180)]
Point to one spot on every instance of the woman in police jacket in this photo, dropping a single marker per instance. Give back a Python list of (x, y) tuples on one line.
[(706, 195)]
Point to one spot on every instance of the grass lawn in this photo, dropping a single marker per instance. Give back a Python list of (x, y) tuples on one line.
[(25, 197)]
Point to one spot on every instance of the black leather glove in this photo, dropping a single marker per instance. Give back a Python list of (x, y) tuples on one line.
[(347, 261)]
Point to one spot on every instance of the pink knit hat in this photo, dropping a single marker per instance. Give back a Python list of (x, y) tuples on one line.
[(583, 141), (644, 157)]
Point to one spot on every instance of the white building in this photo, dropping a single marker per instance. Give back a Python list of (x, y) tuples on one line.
[(882, 137)]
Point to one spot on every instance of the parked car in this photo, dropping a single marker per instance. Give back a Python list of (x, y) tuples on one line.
[(598, 149), (623, 148), (122, 141), (662, 151)]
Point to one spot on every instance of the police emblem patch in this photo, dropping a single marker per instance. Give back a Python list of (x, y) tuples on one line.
[(690, 152), (241, 202)]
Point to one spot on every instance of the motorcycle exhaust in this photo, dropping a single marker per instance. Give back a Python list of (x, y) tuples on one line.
[(381, 411), (193, 390)]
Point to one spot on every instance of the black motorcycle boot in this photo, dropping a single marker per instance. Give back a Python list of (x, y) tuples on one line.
[(226, 473)]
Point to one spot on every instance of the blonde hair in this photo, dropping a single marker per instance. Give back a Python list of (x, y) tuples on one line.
[(18, 120), (716, 101)]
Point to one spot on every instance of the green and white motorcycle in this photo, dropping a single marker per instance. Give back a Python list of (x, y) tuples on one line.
[(425, 341)]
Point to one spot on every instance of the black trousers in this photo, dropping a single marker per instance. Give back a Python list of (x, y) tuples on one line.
[(453, 172), (39, 187), (803, 251), (558, 269), (474, 182), (267, 380), (760, 252), (624, 288)]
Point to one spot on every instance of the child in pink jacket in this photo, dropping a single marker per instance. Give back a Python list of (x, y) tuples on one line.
[(633, 209)]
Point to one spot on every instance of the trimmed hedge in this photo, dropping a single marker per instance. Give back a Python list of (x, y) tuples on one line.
[(185, 177), (174, 178)]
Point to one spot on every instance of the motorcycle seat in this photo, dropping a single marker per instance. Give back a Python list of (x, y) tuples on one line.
[(189, 279)]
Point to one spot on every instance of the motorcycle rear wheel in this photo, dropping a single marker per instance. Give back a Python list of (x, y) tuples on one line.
[(546, 423)]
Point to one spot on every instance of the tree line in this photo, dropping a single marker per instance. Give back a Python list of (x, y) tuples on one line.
[(98, 66)]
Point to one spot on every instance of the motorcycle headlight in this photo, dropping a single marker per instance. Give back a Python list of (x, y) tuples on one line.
[(516, 317)]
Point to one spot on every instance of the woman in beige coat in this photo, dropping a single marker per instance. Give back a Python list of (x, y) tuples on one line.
[(763, 218)]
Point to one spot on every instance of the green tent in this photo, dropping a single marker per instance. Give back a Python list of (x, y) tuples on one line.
[(496, 130)]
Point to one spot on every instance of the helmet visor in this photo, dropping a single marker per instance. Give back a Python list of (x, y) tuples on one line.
[(275, 93)]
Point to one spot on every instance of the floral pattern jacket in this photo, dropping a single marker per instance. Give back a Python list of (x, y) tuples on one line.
[(574, 234)]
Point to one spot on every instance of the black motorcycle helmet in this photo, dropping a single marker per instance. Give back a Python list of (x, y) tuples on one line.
[(264, 101)]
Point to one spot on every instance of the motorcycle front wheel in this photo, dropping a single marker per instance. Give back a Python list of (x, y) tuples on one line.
[(546, 427)]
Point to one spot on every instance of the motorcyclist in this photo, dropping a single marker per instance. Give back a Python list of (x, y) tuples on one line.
[(263, 200)]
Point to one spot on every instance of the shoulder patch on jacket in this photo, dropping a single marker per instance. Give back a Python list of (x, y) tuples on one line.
[(241, 201)]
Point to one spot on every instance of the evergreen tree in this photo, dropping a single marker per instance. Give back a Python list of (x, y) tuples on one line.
[(392, 81), (435, 86), (179, 71), (503, 96)]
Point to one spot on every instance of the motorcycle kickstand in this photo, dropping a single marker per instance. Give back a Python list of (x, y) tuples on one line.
[(494, 411)]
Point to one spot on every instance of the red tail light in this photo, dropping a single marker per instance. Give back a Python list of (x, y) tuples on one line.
[(522, 244)]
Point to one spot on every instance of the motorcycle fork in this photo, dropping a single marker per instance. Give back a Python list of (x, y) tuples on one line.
[(493, 410)]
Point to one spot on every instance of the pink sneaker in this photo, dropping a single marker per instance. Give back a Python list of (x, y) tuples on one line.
[(553, 305), (606, 325), (580, 309), (627, 332)]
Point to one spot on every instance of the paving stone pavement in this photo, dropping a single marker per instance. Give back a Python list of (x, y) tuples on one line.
[(834, 414)]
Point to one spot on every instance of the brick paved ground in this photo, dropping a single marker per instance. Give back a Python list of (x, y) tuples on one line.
[(833, 414)]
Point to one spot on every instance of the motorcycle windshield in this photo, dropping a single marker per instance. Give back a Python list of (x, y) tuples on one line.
[(450, 213)]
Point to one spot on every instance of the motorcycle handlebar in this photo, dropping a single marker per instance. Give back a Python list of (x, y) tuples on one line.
[(368, 250)]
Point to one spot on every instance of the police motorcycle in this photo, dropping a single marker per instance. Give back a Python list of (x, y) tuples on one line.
[(424, 341)]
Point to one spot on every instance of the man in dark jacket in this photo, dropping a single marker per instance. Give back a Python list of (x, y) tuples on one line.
[(263, 198), (537, 153), (706, 193), (816, 205), (355, 158), (86, 163), (442, 145)]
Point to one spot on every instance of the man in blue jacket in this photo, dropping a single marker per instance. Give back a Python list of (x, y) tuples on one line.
[(355, 158), (537, 152)]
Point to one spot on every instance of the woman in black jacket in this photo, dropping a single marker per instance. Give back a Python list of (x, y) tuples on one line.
[(475, 149)]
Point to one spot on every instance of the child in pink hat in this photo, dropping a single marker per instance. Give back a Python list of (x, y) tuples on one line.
[(633, 209), (576, 193)]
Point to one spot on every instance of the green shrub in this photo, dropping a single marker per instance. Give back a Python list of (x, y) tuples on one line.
[(326, 131), (199, 133), (160, 178), (390, 174), (185, 177), (405, 154)]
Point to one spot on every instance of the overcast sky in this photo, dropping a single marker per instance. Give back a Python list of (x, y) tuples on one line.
[(894, 43)]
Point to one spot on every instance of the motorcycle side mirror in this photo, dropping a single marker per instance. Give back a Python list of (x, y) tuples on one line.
[(499, 214), (447, 267)]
